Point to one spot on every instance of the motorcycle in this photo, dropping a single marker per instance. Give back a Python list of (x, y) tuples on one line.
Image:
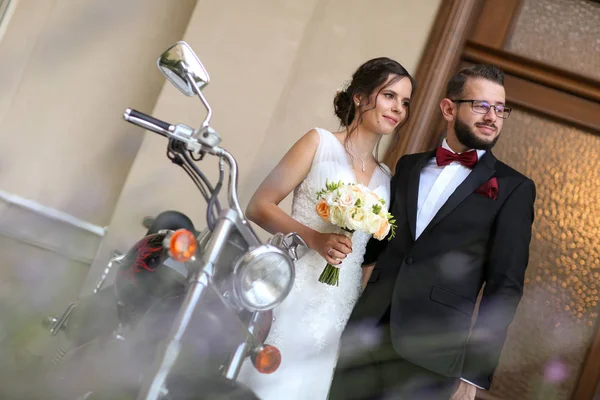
[(191, 306)]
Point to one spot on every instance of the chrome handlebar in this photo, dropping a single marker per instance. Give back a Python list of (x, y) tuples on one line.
[(204, 140)]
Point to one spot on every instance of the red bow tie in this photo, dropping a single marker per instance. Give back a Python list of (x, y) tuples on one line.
[(445, 157)]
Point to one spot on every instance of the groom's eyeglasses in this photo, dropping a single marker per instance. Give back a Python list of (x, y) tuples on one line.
[(483, 107)]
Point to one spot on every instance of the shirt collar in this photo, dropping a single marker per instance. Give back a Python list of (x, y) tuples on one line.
[(480, 153)]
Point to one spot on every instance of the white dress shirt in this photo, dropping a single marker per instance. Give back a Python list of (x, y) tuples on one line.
[(436, 184)]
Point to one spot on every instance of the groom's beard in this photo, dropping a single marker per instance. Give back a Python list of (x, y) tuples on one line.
[(468, 138)]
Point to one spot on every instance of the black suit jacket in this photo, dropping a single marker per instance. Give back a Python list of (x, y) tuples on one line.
[(432, 284)]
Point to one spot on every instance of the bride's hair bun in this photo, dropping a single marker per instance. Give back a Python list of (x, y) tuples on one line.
[(344, 107)]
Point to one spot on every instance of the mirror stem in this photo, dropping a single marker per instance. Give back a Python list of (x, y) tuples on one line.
[(202, 98)]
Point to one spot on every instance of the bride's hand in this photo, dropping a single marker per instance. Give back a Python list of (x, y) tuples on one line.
[(331, 246)]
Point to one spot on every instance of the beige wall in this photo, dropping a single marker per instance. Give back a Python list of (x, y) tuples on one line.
[(68, 70), (275, 67)]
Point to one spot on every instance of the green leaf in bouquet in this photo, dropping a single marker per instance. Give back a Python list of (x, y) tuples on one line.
[(331, 186), (376, 209), (392, 222)]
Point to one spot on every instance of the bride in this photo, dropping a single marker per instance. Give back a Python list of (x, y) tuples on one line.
[(308, 324)]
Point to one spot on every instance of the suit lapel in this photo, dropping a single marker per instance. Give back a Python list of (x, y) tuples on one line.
[(481, 173), (412, 192)]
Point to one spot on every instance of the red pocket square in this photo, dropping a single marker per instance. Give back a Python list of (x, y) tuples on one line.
[(489, 189)]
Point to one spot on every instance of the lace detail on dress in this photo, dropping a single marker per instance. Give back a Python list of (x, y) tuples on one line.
[(328, 306)]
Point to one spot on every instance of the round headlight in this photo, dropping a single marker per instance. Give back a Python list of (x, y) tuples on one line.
[(263, 278)]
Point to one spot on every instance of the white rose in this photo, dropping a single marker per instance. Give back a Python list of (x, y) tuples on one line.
[(356, 219), (359, 191), (331, 199), (372, 223), (347, 216), (336, 216), (371, 198), (346, 198)]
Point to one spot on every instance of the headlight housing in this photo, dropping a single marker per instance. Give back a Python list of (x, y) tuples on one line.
[(263, 277)]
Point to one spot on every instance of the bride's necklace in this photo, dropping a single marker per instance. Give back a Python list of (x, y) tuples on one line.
[(362, 160)]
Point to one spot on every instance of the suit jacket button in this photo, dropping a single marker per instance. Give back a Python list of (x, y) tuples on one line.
[(408, 260)]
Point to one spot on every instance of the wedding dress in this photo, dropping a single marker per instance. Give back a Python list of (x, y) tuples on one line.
[(308, 324)]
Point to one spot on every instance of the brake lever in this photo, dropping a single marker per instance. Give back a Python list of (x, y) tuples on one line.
[(293, 243)]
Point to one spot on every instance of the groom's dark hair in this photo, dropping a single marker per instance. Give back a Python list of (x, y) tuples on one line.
[(489, 72)]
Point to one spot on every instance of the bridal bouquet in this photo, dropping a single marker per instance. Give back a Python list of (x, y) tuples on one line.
[(352, 207)]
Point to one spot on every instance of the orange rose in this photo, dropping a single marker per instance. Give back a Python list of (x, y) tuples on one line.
[(323, 209), (384, 229)]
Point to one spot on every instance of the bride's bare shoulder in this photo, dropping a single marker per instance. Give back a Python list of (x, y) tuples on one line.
[(304, 149), (312, 137), (308, 143)]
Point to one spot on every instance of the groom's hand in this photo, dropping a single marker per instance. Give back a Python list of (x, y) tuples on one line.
[(465, 391)]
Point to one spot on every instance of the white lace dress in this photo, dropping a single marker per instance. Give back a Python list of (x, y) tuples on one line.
[(309, 323)]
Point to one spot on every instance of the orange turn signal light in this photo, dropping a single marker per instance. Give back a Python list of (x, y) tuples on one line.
[(182, 245), (267, 359)]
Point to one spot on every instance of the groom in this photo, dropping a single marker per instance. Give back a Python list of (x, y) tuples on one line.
[(464, 220)]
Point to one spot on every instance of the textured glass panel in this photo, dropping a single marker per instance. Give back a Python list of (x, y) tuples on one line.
[(564, 33), (554, 324)]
